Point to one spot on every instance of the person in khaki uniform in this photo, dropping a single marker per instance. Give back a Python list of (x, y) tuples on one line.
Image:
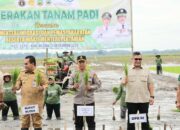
[(84, 82), (31, 93), (139, 90)]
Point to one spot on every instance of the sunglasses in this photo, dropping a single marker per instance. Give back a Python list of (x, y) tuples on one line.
[(140, 59), (81, 61)]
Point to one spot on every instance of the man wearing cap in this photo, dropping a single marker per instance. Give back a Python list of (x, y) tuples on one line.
[(158, 64), (84, 82), (139, 91), (9, 98), (104, 33), (52, 98), (122, 28), (32, 83)]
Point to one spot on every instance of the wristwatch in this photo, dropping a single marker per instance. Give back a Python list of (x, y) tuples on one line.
[(152, 97)]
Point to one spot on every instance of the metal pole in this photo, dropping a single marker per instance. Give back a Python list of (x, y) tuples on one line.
[(132, 39), (165, 125), (103, 127), (46, 53)]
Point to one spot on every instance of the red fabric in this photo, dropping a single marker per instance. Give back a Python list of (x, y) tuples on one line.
[(66, 68)]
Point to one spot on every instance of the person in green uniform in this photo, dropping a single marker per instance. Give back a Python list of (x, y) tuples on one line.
[(121, 95), (52, 99), (158, 64), (71, 57), (9, 98), (1, 91), (178, 94)]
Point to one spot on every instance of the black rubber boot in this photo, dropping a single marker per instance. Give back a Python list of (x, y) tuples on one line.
[(37, 128), (24, 128), (91, 128)]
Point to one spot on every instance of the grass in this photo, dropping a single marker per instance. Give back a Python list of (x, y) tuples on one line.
[(170, 69), (176, 110)]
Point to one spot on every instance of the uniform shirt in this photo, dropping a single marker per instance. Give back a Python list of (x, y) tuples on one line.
[(122, 29), (1, 82), (83, 96), (52, 94), (122, 95), (8, 95), (158, 61), (29, 90), (103, 34), (137, 88)]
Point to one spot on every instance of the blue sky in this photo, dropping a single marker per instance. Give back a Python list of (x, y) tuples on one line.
[(156, 24)]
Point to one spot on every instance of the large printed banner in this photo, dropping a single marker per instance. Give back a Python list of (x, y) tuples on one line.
[(65, 24)]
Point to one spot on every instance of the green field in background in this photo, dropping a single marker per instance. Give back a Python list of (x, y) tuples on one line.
[(6, 64), (170, 69)]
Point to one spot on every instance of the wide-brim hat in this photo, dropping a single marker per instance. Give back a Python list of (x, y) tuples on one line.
[(51, 77)]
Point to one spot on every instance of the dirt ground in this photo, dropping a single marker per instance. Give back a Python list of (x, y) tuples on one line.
[(164, 97)]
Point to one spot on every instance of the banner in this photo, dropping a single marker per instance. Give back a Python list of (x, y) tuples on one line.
[(65, 24)]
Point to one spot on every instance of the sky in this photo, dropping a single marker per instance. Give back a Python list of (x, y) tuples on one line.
[(156, 24)]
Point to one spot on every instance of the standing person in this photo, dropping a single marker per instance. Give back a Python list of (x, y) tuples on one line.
[(158, 64), (9, 98), (1, 90), (85, 83), (31, 92), (52, 99), (121, 95), (71, 57), (140, 90), (178, 94)]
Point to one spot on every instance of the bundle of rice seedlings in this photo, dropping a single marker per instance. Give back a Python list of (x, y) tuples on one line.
[(125, 68), (71, 91), (76, 79), (86, 77), (115, 90), (3, 106), (14, 74), (38, 78)]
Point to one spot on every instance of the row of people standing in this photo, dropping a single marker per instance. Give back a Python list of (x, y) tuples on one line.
[(138, 84), (33, 93)]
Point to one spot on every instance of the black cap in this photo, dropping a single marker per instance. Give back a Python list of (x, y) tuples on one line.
[(65, 52), (106, 15), (121, 12), (81, 58), (158, 55)]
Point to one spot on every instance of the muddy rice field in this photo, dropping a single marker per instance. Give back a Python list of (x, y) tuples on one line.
[(165, 96)]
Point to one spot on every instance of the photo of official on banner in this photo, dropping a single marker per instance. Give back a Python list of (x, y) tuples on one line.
[(65, 24)]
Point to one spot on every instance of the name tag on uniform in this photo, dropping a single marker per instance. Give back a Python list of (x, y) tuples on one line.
[(34, 84), (30, 109), (137, 118), (85, 110)]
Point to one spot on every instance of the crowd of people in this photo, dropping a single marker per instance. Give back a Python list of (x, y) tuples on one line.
[(136, 92)]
